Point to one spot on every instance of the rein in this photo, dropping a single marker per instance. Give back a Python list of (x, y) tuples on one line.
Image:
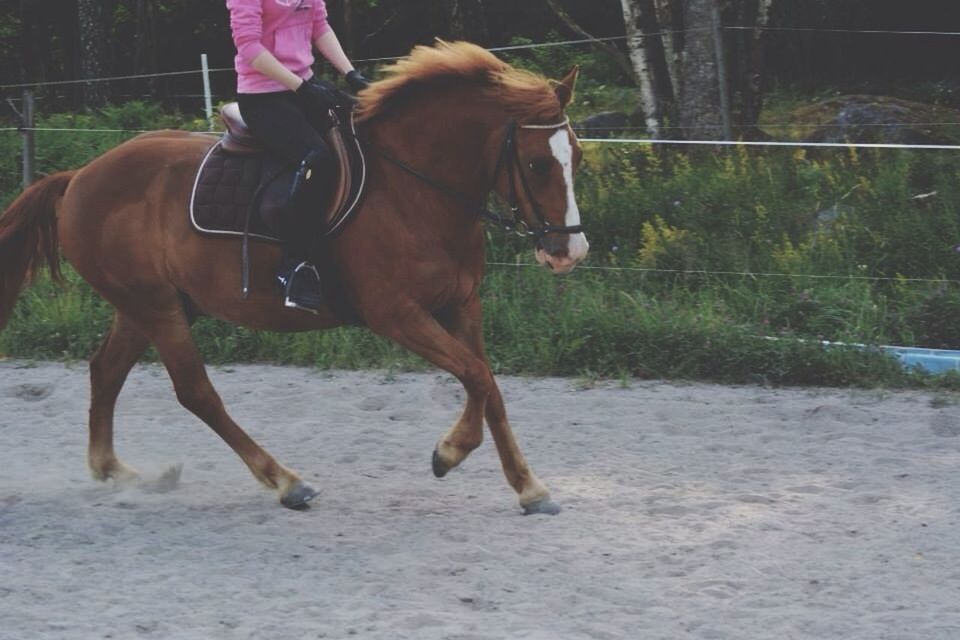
[(507, 160)]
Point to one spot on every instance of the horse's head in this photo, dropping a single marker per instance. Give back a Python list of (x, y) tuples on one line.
[(541, 159), (533, 159)]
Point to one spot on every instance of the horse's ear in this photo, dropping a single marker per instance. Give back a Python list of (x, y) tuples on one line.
[(566, 87)]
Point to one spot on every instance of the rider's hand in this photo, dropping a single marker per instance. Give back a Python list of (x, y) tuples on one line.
[(319, 96), (356, 81)]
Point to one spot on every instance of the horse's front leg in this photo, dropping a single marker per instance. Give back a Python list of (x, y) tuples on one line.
[(466, 324), (414, 328)]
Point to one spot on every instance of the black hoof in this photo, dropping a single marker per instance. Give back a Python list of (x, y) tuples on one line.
[(439, 469), (299, 497), (545, 507)]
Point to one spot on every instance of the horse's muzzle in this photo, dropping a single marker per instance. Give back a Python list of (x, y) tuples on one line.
[(562, 254)]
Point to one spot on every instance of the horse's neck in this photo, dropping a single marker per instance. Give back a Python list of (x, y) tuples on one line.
[(445, 138)]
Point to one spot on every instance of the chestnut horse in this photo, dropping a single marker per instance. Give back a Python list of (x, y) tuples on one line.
[(411, 261)]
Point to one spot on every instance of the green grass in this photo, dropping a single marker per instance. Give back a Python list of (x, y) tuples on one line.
[(587, 324)]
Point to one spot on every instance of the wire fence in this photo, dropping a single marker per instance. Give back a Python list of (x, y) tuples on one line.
[(620, 141), (605, 141), (517, 47)]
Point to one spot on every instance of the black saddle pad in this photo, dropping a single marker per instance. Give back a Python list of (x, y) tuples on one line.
[(249, 190), (233, 193)]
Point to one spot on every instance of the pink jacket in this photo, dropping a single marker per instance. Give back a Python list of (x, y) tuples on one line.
[(285, 28)]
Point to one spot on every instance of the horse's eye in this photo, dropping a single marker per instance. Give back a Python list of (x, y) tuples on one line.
[(541, 166)]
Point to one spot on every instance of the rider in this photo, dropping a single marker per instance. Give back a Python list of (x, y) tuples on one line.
[(284, 105)]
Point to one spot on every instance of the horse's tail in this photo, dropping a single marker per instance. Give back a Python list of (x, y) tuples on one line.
[(28, 238)]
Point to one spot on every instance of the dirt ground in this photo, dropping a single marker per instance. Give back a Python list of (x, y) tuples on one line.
[(690, 511)]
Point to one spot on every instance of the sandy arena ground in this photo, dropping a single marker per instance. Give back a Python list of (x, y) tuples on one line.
[(690, 511)]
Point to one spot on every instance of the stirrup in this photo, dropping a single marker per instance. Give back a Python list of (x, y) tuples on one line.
[(305, 299)]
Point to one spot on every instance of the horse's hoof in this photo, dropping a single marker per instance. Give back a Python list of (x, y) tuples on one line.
[(544, 507), (298, 497), (439, 468)]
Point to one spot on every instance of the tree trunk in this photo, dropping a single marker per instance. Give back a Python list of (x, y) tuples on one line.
[(140, 18), (28, 70), (700, 109), (466, 20), (611, 51), (342, 12), (754, 97), (670, 21), (90, 18), (634, 20)]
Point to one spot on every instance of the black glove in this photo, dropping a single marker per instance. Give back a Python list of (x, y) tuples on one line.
[(319, 96), (356, 81)]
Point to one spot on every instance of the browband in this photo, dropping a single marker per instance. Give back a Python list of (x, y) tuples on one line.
[(566, 121)]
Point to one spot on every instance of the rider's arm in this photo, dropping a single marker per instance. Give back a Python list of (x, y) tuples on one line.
[(246, 25), (327, 43), (267, 64)]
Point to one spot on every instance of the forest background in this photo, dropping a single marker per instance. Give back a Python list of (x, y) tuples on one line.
[(729, 264)]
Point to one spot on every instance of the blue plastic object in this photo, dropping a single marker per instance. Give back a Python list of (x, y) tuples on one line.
[(930, 360)]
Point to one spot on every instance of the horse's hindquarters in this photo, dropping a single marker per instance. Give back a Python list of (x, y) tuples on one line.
[(115, 217)]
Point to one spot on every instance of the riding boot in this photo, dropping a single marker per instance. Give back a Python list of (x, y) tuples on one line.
[(302, 226)]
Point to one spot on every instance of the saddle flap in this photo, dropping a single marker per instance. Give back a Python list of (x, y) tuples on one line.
[(241, 188)]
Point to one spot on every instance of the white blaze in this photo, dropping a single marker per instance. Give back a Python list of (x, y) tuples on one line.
[(563, 152)]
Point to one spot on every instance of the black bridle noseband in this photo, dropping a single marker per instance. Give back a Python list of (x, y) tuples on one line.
[(507, 160)]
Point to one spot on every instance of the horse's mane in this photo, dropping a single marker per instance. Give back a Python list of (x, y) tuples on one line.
[(527, 96)]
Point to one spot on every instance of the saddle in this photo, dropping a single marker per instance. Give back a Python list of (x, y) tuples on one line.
[(241, 190)]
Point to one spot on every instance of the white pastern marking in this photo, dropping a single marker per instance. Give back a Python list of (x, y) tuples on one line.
[(563, 152)]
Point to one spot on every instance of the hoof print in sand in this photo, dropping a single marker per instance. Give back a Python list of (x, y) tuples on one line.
[(945, 426), (31, 392)]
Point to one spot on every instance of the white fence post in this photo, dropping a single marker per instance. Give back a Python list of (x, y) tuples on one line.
[(26, 130), (207, 97)]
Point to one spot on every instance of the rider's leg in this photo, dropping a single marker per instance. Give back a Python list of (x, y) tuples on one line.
[(280, 122)]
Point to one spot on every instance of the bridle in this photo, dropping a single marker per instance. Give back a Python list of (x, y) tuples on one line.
[(508, 160)]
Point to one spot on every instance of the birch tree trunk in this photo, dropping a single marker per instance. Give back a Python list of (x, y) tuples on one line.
[(633, 18), (90, 19)]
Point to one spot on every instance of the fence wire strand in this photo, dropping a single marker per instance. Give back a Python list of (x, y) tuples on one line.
[(638, 141), (891, 32), (772, 143), (743, 274)]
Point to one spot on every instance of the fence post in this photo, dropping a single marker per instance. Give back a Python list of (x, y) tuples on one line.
[(207, 97), (26, 131)]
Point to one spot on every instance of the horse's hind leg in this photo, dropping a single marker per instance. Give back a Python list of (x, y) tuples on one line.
[(109, 367), (169, 331)]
